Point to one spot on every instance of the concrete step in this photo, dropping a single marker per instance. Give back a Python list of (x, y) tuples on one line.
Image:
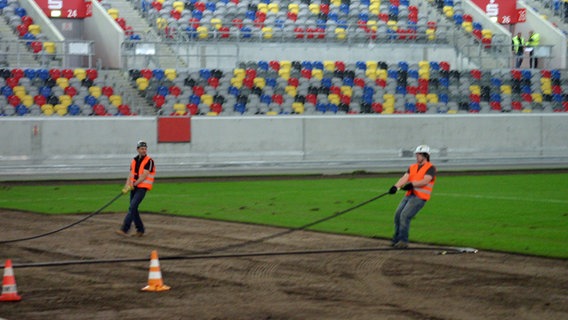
[(121, 84)]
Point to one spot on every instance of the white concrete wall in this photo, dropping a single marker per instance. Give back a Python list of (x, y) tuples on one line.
[(107, 36), (102, 147)]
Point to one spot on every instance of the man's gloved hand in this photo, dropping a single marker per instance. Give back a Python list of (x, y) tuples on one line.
[(408, 186), (126, 189), (393, 190)]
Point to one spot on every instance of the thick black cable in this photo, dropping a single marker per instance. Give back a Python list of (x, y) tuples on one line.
[(65, 227), (288, 231), (441, 251)]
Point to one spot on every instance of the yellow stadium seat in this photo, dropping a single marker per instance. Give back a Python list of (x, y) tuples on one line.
[(431, 34), (424, 74), (273, 7), (239, 73), (298, 107), (27, 100), (372, 64), (80, 73), (113, 13), (178, 6), (171, 74), (142, 83), (382, 74), (65, 100), (293, 8), (216, 23), (95, 91), (291, 90), (285, 64), (537, 97), (207, 99), (388, 109), (335, 3), (314, 8), (333, 98), (47, 109), (506, 89), (161, 23), (202, 32), (259, 82), (432, 98), (467, 26), (284, 73), (448, 11), (475, 89), (272, 113), (237, 82), (34, 29), (392, 25), (317, 73), (62, 82), (19, 91), (423, 64), (267, 32), (115, 99), (340, 33), (329, 65), (49, 47), (374, 8), (180, 107), (346, 91), (371, 74)]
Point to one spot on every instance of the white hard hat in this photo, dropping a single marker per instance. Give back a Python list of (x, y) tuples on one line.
[(141, 143), (422, 149)]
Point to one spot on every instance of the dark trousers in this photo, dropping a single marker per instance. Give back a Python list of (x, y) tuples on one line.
[(518, 59), (533, 61), (136, 197)]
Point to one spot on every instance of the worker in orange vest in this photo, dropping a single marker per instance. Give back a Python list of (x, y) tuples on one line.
[(418, 182), (139, 181)]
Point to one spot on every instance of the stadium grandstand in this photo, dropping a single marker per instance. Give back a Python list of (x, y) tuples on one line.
[(176, 62)]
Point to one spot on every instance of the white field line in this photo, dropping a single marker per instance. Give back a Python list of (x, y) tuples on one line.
[(480, 196)]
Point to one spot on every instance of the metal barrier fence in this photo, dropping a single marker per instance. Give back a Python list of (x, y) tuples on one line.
[(40, 53)]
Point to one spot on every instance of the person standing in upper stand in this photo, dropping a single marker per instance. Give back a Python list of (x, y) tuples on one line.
[(532, 43), (518, 49)]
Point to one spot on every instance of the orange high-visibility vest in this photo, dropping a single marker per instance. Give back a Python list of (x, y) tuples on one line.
[(416, 175), (149, 181)]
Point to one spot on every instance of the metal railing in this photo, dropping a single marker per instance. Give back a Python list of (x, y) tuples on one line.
[(64, 54)]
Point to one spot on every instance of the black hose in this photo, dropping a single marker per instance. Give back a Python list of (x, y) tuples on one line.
[(285, 232), (441, 250), (65, 227)]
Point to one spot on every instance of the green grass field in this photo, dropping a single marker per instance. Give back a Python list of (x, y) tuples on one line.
[(520, 213)]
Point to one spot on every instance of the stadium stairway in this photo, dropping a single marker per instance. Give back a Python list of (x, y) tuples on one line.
[(131, 96), (544, 9), (140, 25), (12, 45)]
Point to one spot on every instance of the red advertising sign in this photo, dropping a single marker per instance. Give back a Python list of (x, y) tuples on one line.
[(66, 9), (502, 11)]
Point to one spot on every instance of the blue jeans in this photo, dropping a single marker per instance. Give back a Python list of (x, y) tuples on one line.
[(518, 60), (407, 209), (136, 197)]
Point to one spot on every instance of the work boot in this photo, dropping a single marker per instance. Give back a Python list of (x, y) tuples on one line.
[(401, 245), (121, 233), (138, 234)]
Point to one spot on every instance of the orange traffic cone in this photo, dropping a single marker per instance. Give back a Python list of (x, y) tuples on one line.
[(9, 289), (155, 282)]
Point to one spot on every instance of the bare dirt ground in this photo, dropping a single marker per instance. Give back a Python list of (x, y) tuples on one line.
[(386, 284)]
